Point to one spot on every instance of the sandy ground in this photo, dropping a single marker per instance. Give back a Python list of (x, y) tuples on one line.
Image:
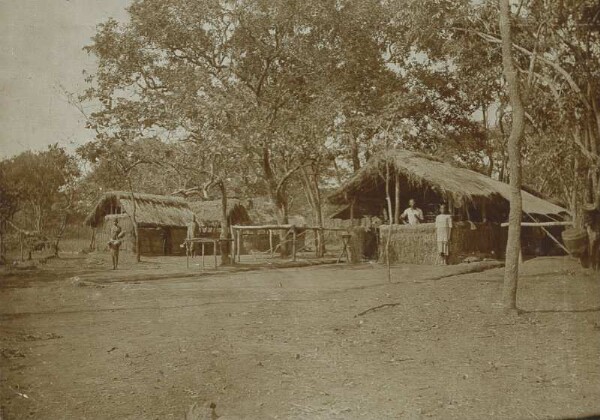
[(149, 341)]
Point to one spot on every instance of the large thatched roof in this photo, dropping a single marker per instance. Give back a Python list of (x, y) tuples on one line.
[(418, 171), (150, 210)]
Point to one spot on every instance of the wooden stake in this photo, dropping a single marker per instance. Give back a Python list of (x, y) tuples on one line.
[(271, 242), (293, 243), (397, 199), (239, 240), (389, 203)]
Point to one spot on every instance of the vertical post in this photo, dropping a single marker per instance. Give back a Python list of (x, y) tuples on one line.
[(215, 243), (317, 241), (239, 240), (187, 253), (203, 255), (352, 212), (271, 242), (397, 199), (293, 243), (233, 245), (483, 211), (21, 243)]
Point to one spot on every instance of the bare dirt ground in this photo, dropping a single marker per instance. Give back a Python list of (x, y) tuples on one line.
[(149, 341)]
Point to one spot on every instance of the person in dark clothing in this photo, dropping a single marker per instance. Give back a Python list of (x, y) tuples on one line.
[(164, 235), (116, 234), (592, 226)]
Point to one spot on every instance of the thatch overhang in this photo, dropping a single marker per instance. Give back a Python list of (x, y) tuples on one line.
[(418, 172), (150, 210)]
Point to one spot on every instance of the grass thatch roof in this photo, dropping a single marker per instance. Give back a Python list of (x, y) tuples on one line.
[(255, 211), (416, 171), (150, 210), (208, 213)]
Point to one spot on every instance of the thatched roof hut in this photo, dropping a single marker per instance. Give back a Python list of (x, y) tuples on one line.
[(209, 213), (429, 179), (150, 210)]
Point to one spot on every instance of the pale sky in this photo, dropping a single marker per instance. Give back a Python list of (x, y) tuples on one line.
[(41, 45)]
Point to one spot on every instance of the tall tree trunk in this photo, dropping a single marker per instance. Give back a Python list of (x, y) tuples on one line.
[(60, 233), (136, 233), (513, 245), (354, 154), (279, 197), (310, 183), (225, 228)]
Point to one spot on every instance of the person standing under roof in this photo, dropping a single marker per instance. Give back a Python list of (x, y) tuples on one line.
[(443, 228), (413, 214)]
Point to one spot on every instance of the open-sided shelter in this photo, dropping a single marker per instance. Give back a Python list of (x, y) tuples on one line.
[(161, 221), (478, 203)]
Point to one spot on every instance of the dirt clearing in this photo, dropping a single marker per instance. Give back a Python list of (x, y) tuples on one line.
[(289, 343)]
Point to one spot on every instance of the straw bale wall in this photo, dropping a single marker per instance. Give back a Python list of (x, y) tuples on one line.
[(418, 244)]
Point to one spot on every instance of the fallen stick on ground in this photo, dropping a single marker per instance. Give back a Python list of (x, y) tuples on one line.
[(385, 305)]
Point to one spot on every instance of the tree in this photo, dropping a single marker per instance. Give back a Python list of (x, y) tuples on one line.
[(40, 190), (513, 245), (121, 158)]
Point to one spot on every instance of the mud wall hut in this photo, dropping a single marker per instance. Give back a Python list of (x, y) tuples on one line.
[(479, 205), (161, 222)]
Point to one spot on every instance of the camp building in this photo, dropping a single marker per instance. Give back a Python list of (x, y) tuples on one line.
[(479, 205), (161, 220)]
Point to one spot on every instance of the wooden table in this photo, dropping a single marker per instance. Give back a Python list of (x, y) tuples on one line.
[(203, 241)]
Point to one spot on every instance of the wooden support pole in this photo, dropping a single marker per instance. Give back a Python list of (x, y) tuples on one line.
[(541, 224), (239, 240), (483, 211), (215, 244), (203, 255), (293, 243), (397, 199), (352, 212), (271, 242)]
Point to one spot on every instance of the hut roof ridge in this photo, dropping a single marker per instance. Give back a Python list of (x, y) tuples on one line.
[(150, 209), (462, 184)]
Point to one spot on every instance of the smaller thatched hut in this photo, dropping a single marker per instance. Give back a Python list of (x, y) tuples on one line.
[(479, 205), (161, 221), (209, 214)]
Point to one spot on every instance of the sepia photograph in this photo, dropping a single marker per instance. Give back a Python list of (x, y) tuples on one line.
[(300, 209)]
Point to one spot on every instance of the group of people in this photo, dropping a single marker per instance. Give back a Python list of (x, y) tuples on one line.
[(443, 224)]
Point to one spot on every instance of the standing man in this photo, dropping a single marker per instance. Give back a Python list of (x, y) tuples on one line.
[(413, 214), (443, 227), (193, 231), (116, 233)]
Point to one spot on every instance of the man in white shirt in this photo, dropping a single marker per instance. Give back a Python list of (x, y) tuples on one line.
[(443, 227), (413, 214)]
